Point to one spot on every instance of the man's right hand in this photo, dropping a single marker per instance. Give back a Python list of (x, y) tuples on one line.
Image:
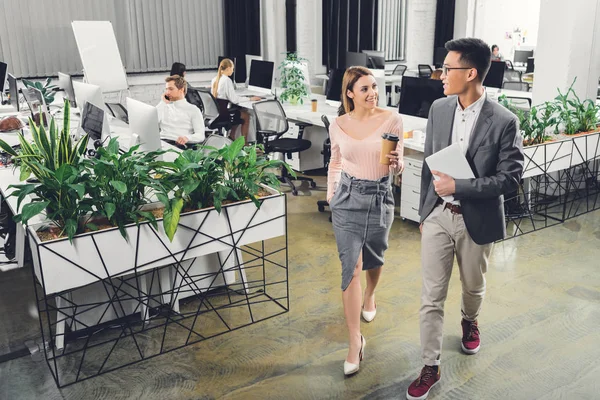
[(421, 228), (165, 99)]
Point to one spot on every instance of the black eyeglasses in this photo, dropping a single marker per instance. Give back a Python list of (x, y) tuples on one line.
[(445, 69)]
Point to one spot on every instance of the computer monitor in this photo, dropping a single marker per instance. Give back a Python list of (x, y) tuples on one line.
[(13, 91), (530, 65), (3, 69), (355, 59), (521, 56), (495, 76), (66, 84), (143, 123), (92, 122), (86, 92), (249, 58), (37, 104), (375, 59), (418, 94), (439, 55), (261, 76), (233, 59), (333, 91)]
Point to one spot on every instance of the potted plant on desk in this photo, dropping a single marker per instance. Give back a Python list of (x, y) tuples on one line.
[(292, 79)]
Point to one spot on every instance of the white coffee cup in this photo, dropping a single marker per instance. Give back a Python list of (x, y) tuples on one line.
[(418, 136)]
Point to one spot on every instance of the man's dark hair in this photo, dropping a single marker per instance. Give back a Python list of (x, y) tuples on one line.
[(474, 53), (494, 47), (177, 69)]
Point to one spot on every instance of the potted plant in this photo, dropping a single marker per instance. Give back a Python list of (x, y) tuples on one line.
[(210, 178), (46, 88), (534, 123), (575, 116), (292, 79), (54, 159)]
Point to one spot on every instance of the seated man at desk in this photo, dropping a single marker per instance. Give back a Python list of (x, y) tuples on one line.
[(179, 120)]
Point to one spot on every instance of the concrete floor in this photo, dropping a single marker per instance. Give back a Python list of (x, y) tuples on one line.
[(540, 329)]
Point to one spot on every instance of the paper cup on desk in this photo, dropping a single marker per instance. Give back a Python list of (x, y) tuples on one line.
[(389, 143), (313, 104)]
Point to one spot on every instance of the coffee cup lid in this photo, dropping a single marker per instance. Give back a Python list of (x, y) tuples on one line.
[(390, 137)]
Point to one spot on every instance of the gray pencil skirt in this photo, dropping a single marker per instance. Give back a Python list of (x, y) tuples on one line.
[(362, 215)]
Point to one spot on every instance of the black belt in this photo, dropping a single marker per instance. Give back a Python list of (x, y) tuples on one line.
[(454, 209)]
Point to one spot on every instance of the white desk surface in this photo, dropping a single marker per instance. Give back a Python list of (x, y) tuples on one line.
[(388, 77)]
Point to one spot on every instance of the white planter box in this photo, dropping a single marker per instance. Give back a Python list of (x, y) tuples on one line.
[(547, 157), (60, 265)]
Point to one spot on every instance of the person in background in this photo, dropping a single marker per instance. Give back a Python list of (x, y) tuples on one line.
[(178, 69), (437, 75), (360, 198), (222, 88), (496, 56), (179, 121), (462, 217)]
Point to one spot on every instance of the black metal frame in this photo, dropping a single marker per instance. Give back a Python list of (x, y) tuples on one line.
[(151, 329), (554, 196)]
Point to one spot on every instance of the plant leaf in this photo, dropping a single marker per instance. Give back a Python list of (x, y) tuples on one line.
[(120, 186), (79, 188), (109, 209), (171, 218), (32, 209)]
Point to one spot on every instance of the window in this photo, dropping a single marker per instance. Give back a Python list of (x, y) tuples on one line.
[(37, 39), (391, 29)]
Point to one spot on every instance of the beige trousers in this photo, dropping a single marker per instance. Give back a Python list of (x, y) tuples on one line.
[(444, 235)]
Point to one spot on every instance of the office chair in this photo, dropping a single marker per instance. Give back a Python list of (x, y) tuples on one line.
[(511, 75), (425, 70), (521, 86), (399, 70), (321, 204), (509, 64), (216, 116), (118, 111), (271, 124), (522, 103), (216, 141)]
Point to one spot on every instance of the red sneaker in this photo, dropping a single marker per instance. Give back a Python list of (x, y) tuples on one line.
[(470, 340), (419, 389)]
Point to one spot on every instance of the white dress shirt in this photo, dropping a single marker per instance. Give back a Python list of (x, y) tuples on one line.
[(180, 118), (226, 90), (462, 129)]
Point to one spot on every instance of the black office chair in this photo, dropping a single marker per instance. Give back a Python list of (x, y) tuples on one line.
[(425, 71), (321, 204), (399, 70), (509, 65), (271, 124), (522, 103), (118, 111), (216, 116)]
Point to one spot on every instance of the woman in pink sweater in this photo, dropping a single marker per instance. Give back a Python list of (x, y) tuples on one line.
[(360, 197)]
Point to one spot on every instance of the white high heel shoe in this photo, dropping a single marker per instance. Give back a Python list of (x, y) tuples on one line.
[(369, 316), (350, 368)]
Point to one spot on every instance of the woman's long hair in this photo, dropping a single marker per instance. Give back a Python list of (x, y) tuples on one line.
[(351, 75), (225, 63)]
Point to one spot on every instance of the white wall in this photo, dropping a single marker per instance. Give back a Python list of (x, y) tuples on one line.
[(493, 18), (309, 35), (420, 32)]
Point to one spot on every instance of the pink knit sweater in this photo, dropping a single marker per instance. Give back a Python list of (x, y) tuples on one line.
[(360, 158)]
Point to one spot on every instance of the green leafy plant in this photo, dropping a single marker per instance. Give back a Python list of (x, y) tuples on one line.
[(122, 184), (190, 184), (292, 79), (50, 148), (575, 115), (208, 177), (46, 88), (535, 122), (60, 195), (54, 160)]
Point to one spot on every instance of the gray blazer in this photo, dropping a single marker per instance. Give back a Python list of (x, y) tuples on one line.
[(495, 154)]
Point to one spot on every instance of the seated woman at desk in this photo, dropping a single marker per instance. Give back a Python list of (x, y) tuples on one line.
[(222, 88), (178, 120)]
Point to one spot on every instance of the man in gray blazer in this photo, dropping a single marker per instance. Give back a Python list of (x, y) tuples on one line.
[(463, 216)]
